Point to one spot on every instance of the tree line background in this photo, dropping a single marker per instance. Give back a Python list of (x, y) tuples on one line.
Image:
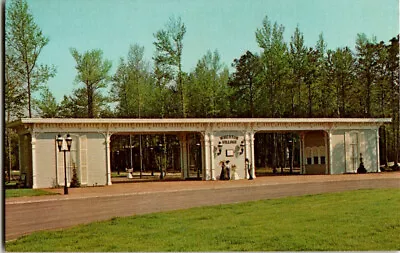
[(282, 79)]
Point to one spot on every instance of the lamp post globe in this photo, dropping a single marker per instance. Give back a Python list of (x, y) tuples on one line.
[(69, 142), (59, 142), (242, 146)]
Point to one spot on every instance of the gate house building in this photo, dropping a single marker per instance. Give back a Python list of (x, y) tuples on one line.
[(327, 145)]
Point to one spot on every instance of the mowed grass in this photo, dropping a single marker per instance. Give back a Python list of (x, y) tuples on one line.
[(357, 220), (11, 193)]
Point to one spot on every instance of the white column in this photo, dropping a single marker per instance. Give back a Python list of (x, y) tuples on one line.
[(330, 151), (207, 156), (326, 152), (247, 152), (34, 172), (108, 158), (212, 160), (252, 160), (377, 151)]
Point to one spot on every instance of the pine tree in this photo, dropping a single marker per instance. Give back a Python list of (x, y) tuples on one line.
[(74, 180), (168, 57), (25, 41), (93, 73)]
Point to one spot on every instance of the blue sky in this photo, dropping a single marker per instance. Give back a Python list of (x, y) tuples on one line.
[(226, 25)]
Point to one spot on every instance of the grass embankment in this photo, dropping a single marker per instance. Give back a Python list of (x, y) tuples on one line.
[(10, 193), (356, 220)]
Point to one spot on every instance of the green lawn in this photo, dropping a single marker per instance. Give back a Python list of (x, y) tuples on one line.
[(10, 193), (357, 220), (121, 174)]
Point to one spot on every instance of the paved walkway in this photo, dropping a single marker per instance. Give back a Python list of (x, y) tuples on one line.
[(135, 188), (84, 205)]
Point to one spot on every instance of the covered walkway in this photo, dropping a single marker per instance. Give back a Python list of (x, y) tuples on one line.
[(328, 145)]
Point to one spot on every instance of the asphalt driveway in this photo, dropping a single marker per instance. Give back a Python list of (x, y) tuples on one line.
[(84, 205)]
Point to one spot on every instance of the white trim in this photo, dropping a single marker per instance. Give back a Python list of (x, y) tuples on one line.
[(108, 157), (34, 170), (200, 120), (247, 152), (330, 152), (83, 159), (303, 168), (193, 125), (301, 153), (253, 160), (212, 162), (326, 152), (377, 151), (207, 155)]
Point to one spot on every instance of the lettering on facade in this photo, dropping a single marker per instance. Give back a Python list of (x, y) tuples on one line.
[(229, 139)]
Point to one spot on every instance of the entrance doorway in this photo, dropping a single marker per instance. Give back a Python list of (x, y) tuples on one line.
[(145, 157), (354, 151), (277, 153), (149, 157), (195, 156)]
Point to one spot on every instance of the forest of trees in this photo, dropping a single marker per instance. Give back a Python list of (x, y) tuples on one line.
[(281, 79)]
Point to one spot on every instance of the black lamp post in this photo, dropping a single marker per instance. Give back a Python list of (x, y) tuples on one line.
[(117, 162), (198, 145), (161, 150), (59, 144), (152, 155), (290, 148), (219, 148), (242, 146)]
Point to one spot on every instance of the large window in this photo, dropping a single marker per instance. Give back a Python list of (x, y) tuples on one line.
[(308, 154), (322, 154), (315, 155)]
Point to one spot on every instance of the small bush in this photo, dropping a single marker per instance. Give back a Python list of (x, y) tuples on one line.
[(75, 181)]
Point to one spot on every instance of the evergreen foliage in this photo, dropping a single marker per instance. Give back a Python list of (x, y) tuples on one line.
[(74, 180), (92, 71), (24, 42), (283, 79)]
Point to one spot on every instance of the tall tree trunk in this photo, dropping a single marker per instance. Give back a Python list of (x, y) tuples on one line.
[(384, 146), (9, 148), (343, 111), (397, 130), (251, 99), (309, 100), (293, 107), (282, 150), (274, 152), (183, 93), (368, 97), (90, 100), (338, 101), (29, 92), (299, 109)]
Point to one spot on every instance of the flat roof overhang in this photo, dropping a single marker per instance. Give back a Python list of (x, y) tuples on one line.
[(122, 125)]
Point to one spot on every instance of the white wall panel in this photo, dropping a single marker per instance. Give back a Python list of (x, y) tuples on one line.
[(96, 159), (83, 160), (46, 160), (369, 151), (338, 153), (230, 145)]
